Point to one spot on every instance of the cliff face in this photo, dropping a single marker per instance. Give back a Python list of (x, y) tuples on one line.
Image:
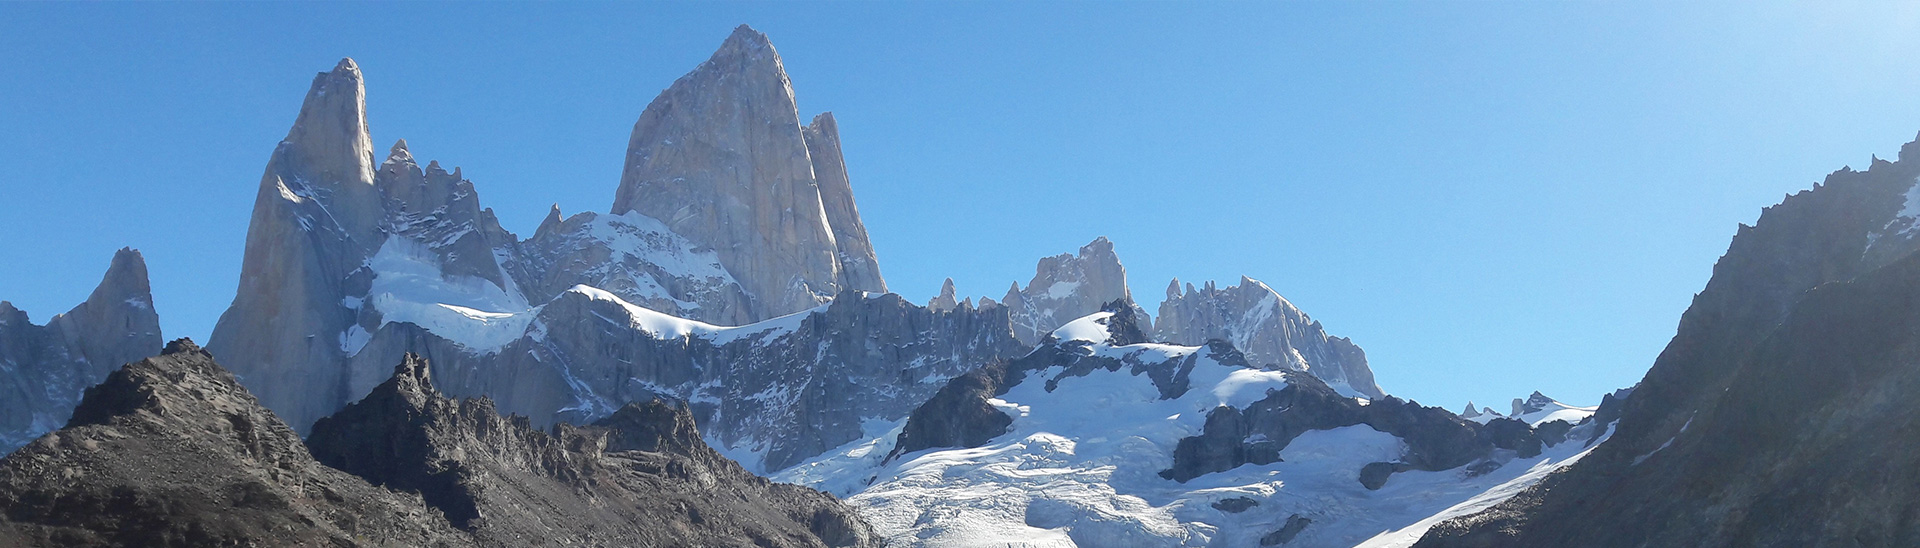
[(1759, 422), (773, 392), (722, 158), (1270, 330), (316, 220), (44, 369)]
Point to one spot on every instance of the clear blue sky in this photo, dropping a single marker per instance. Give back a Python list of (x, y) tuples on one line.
[(1490, 198)]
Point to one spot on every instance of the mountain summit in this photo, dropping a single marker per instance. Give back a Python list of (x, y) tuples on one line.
[(721, 157)]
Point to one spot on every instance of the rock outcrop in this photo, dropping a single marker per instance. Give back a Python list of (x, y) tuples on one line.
[(641, 476), (1067, 287), (1271, 331), (1781, 412), (722, 158), (172, 451), (44, 369)]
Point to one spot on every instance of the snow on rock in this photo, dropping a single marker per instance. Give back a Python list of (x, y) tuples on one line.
[(409, 286), (1081, 463)]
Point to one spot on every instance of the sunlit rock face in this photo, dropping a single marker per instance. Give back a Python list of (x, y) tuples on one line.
[(1271, 331), (44, 368), (722, 158)]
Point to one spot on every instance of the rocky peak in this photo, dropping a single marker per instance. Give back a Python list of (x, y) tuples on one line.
[(1270, 330), (1067, 287), (859, 268), (651, 426), (117, 323), (945, 302), (47, 367), (722, 159)]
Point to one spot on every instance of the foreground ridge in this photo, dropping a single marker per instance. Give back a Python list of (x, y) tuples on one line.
[(172, 451)]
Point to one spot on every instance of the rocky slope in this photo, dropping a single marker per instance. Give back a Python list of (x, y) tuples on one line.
[(722, 158), (1763, 418), (44, 369), (172, 451), (1271, 331), (1100, 438)]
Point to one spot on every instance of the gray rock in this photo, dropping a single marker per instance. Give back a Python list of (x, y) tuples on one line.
[(721, 158), (1271, 331), (1295, 524), (945, 301), (44, 369), (1067, 287), (316, 221)]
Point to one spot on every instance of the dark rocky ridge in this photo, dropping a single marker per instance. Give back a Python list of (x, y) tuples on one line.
[(172, 451), (1740, 364), (641, 476), (44, 369), (1436, 438)]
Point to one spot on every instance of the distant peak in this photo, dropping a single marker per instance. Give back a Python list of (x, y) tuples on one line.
[(1173, 289), (399, 152), (346, 64)]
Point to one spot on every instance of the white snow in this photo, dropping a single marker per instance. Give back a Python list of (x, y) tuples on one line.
[(1090, 328), (1079, 467), (409, 286), (667, 326)]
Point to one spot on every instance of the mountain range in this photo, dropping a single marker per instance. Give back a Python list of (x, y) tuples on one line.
[(716, 360)]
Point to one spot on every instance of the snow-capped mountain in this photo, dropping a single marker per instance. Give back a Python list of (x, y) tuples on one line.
[(45, 368), (1537, 409), (341, 248), (1100, 438), (1271, 331)]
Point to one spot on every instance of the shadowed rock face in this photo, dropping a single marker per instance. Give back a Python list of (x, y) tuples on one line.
[(1780, 414), (44, 369), (722, 158), (641, 476), (172, 451)]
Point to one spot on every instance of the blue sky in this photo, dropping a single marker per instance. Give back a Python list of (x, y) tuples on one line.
[(1490, 198)]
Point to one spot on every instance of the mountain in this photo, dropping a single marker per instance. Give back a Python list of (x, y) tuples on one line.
[(1270, 330), (1100, 438), (172, 451), (1779, 415), (1066, 287), (722, 158), (344, 254), (44, 369)]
